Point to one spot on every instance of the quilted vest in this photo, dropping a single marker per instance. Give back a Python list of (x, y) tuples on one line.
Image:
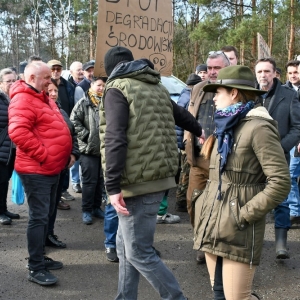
[(152, 157)]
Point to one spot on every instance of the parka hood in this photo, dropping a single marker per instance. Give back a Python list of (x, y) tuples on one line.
[(260, 112)]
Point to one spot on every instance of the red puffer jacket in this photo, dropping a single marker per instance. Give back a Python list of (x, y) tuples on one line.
[(38, 129)]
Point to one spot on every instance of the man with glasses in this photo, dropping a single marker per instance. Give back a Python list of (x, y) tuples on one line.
[(202, 108), (7, 148), (66, 99)]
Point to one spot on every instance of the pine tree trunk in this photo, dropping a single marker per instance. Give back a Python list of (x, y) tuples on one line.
[(291, 49)]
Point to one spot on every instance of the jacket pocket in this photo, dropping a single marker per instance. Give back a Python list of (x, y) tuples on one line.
[(229, 228), (235, 210)]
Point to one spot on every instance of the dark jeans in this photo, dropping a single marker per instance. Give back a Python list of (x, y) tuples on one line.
[(5, 175), (92, 182), (41, 195), (66, 181), (282, 215), (58, 195)]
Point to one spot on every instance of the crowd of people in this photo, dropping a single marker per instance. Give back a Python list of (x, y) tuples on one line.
[(117, 140)]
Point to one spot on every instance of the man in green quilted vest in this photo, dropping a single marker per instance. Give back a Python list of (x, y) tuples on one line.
[(140, 161)]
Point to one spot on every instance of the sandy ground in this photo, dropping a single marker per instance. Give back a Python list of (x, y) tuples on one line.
[(88, 275)]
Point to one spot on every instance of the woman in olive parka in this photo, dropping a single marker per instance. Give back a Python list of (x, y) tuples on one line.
[(248, 177)]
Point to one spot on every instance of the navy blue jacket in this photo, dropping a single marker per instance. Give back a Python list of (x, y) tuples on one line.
[(184, 100)]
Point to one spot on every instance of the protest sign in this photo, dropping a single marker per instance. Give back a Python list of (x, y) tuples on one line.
[(143, 26), (263, 48)]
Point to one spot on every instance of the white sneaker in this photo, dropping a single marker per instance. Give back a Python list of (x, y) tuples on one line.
[(168, 219)]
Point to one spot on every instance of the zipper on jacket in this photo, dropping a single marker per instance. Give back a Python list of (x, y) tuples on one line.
[(252, 250)]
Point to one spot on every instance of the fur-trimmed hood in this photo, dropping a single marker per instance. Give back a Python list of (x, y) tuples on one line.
[(259, 112)]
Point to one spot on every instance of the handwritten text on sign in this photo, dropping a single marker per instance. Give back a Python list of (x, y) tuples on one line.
[(143, 26)]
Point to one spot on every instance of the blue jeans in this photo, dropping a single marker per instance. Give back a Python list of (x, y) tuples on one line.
[(282, 214), (40, 191), (136, 255), (293, 197), (74, 171), (111, 223)]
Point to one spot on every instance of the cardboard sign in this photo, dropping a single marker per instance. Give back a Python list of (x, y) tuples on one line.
[(263, 48), (143, 26)]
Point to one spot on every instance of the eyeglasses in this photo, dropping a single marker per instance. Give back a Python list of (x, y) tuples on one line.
[(219, 53), (58, 69), (10, 81)]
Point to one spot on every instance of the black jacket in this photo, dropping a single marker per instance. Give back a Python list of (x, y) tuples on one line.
[(284, 107), (7, 145)]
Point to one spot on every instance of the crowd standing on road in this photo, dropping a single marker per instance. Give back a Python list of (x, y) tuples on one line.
[(123, 152)]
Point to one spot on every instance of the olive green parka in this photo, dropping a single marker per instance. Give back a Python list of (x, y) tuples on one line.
[(256, 179)]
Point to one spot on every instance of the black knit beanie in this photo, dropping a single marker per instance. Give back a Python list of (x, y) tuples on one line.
[(115, 55), (201, 68), (193, 79)]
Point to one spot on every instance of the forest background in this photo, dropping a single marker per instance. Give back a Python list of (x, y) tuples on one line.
[(66, 30)]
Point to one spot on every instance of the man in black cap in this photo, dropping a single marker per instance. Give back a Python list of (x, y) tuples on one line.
[(85, 84), (201, 71), (139, 157)]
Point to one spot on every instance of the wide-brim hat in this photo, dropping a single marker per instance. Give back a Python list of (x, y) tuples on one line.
[(238, 77)]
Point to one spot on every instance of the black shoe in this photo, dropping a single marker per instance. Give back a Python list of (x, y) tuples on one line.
[(52, 241), (180, 207), (254, 294), (295, 220), (200, 258), (50, 264), (42, 277), (12, 215), (111, 254), (77, 188), (5, 220)]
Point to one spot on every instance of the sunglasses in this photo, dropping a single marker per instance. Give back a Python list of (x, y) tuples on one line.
[(219, 53), (58, 69)]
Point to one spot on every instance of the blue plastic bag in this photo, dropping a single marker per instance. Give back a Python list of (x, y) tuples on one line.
[(17, 190)]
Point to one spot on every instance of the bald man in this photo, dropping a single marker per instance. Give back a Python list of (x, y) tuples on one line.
[(76, 73), (44, 146)]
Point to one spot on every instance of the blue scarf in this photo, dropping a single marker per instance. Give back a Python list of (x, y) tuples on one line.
[(226, 119)]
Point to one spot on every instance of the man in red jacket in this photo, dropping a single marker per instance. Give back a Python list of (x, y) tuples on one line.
[(44, 146)]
